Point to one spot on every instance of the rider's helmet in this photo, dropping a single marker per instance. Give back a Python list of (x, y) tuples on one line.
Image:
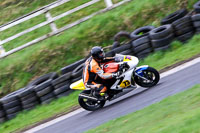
[(97, 53)]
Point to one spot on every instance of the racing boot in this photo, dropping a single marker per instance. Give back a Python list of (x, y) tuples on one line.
[(98, 95), (103, 93)]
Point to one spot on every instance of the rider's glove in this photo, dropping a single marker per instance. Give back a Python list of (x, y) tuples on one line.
[(115, 75)]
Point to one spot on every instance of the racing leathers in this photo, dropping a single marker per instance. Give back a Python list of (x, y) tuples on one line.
[(92, 71)]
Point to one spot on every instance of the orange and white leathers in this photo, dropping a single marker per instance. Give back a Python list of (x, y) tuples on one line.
[(91, 71)]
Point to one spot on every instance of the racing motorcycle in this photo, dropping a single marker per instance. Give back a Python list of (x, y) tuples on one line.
[(129, 77)]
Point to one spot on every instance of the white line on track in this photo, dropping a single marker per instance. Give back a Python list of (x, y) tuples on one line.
[(167, 73)]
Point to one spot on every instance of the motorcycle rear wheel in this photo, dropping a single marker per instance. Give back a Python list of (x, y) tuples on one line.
[(151, 74), (89, 104)]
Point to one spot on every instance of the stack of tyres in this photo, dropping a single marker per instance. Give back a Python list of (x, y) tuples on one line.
[(183, 28), (121, 35), (61, 85), (196, 22), (120, 38), (174, 16), (196, 7), (28, 98), (77, 73), (110, 53), (43, 87), (71, 67), (2, 114), (117, 47), (11, 105), (161, 37), (124, 49), (181, 23), (142, 43), (44, 91)]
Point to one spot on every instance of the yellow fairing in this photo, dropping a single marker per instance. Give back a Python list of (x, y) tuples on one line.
[(78, 85), (127, 58)]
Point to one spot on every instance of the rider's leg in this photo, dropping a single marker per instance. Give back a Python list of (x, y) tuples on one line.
[(100, 88)]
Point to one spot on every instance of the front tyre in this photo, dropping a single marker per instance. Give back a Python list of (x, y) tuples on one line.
[(151, 75), (88, 104)]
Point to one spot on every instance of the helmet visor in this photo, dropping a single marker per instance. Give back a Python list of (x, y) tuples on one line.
[(102, 55)]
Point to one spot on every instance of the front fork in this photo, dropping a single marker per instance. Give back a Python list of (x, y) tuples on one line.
[(138, 75)]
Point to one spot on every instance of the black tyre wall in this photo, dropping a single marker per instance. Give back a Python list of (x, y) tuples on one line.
[(121, 34), (72, 66), (144, 30), (174, 16), (196, 7)]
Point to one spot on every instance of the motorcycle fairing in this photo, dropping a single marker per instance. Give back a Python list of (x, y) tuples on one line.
[(139, 70), (125, 83), (127, 58), (78, 85)]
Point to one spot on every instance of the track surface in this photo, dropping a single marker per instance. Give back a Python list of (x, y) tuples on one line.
[(130, 102)]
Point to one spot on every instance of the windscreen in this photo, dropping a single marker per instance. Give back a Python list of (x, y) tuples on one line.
[(119, 58)]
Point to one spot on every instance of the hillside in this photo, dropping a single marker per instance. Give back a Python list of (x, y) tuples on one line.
[(56, 52)]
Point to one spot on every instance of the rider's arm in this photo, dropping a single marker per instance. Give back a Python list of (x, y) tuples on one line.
[(96, 69)]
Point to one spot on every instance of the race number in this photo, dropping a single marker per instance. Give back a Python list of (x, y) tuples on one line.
[(125, 83)]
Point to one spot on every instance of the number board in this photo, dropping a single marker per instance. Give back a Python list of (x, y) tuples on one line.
[(125, 83)]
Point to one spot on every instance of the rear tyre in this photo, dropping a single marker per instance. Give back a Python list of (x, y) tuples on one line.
[(151, 74), (89, 104)]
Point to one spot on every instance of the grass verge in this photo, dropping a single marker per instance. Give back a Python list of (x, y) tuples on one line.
[(158, 60), (176, 114)]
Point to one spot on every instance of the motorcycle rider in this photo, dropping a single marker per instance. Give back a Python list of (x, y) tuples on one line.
[(92, 70)]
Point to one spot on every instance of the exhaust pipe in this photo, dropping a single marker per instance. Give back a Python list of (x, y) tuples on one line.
[(88, 97)]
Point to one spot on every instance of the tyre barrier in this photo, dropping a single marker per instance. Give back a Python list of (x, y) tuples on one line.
[(196, 23), (142, 31), (11, 105), (183, 28), (115, 45), (61, 85), (122, 48), (44, 91), (161, 37), (40, 91), (120, 35), (174, 16), (71, 67), (144, 40), (2, 114), (196, 7), (141, 45)]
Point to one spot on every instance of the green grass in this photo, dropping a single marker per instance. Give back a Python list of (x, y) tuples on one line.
[(12, 9), (176, 114), (19, 69), (158, 60), (42, 112)]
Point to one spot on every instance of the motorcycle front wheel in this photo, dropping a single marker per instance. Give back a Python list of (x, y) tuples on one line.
[(88, 104), (151, 75)]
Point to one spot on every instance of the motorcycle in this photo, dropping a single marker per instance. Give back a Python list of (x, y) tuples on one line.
[(129, 77)]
